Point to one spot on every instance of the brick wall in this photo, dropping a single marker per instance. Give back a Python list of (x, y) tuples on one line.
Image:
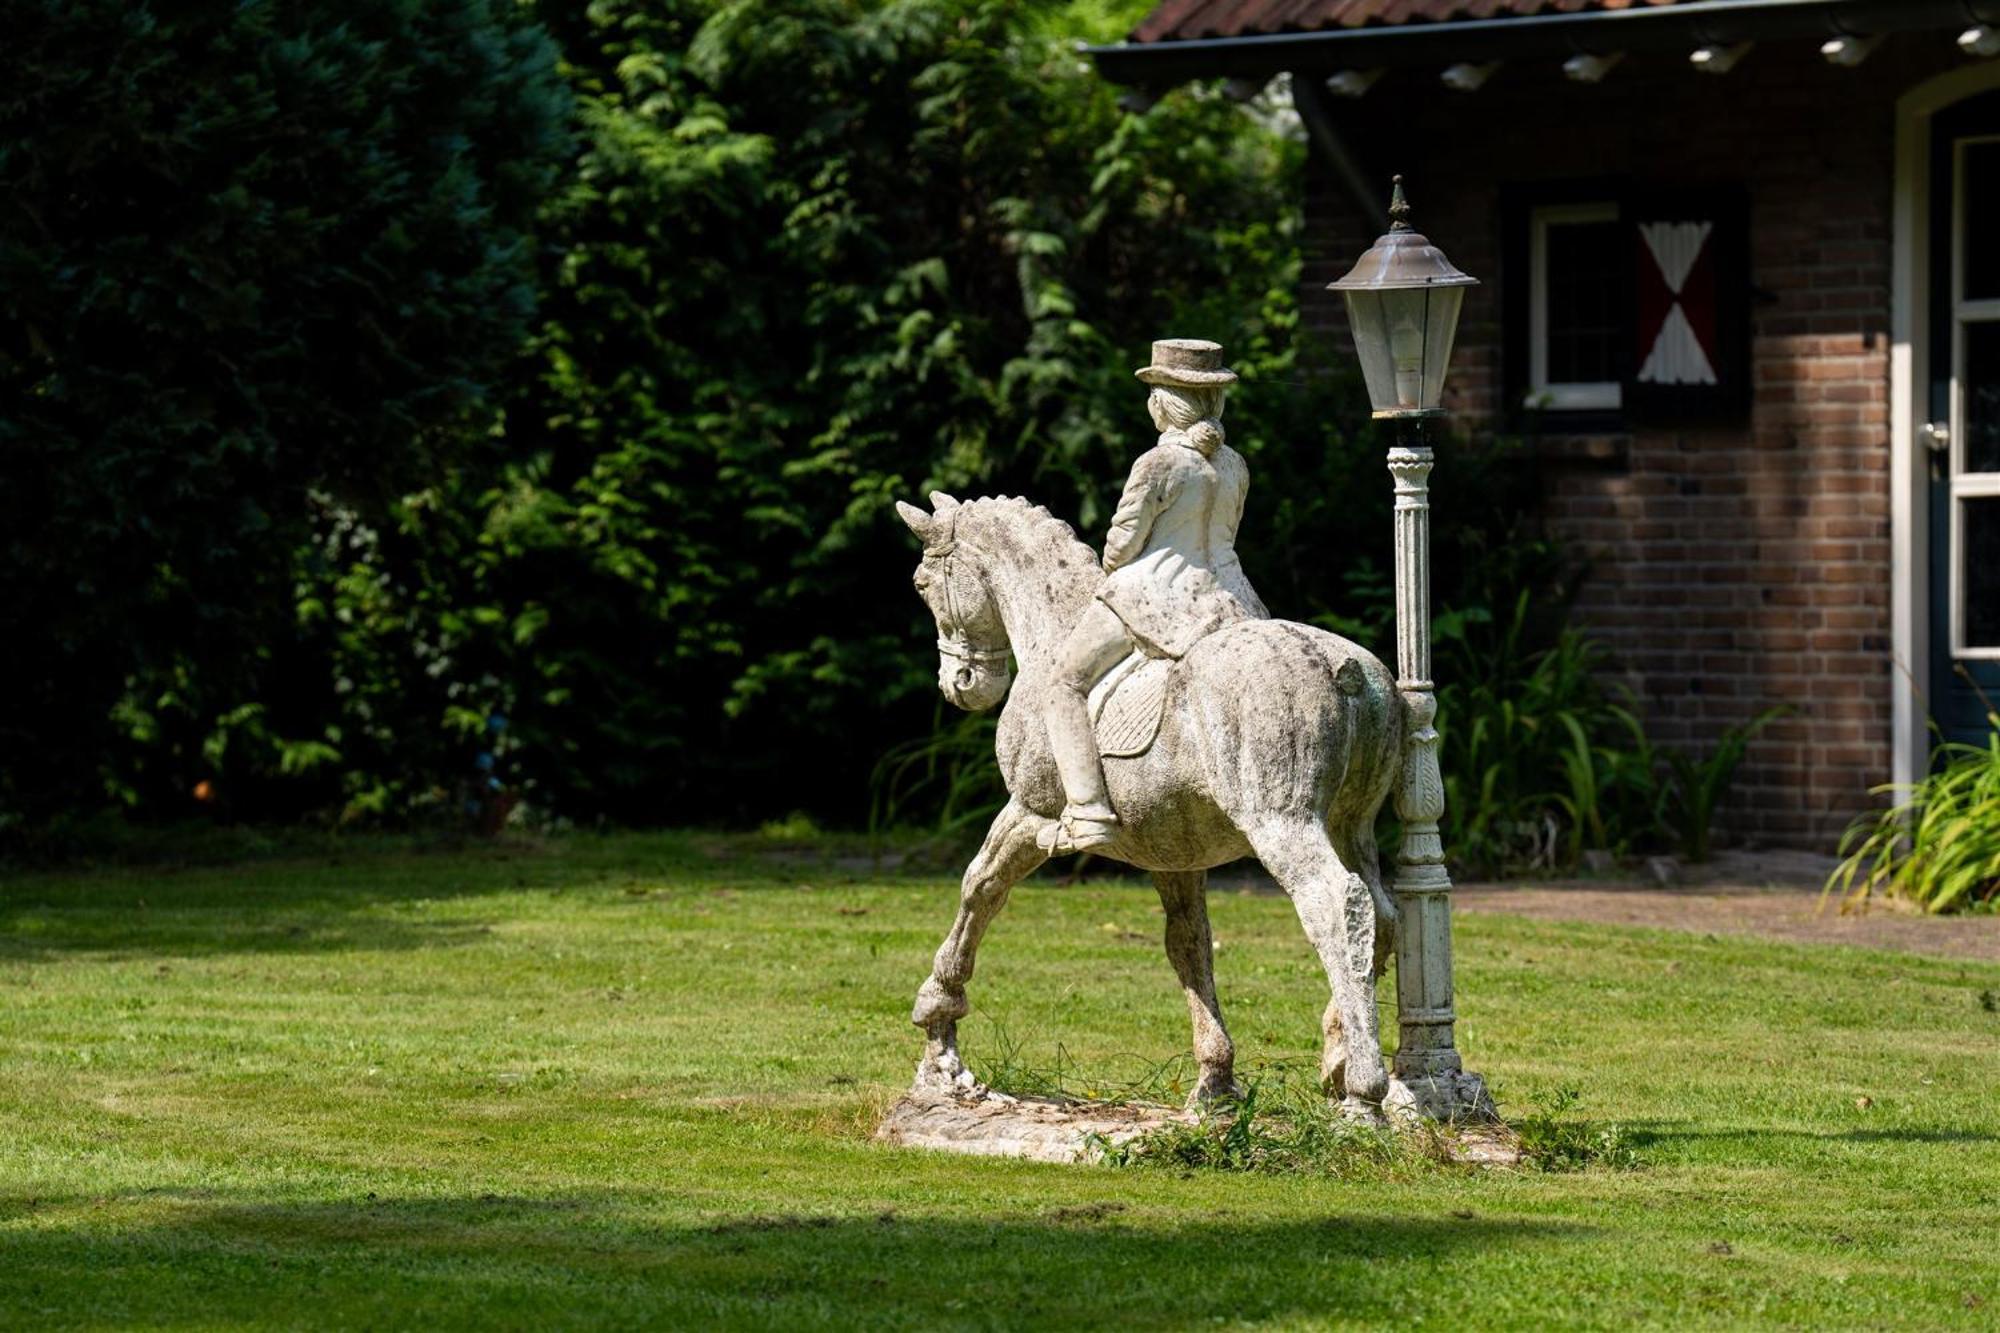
[(1735, 566)]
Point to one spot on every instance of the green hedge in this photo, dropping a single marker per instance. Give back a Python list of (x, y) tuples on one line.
[(807, 258), (257, 259)]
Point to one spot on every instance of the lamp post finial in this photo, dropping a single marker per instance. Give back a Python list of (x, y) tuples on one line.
[(1399, 207)]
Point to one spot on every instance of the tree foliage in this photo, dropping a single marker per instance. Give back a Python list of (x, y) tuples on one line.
[(251, 252), (810, 256), (816, 257)]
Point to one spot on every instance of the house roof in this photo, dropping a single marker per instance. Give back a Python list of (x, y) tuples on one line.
[(1192, 39), (1179, 20)]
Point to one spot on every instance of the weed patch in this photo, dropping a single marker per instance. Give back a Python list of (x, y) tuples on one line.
[(1274, 1129), (1284, 1124), (1554, 1140), (1009, 1069)]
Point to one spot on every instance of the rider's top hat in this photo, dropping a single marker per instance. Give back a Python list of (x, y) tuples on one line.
[(1187, 363)]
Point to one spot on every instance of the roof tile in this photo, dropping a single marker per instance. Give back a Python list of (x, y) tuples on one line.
[(1180, 20)]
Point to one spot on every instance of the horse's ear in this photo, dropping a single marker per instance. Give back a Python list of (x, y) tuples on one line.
[(916, 519), (942, 503)]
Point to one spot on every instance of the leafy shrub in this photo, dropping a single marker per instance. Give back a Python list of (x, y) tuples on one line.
[(1545, 757), (947, 781), (1939, 845), (817, 256), (1537, 749), (1696, 785), (806, 257), (813, 256), (252, 252)]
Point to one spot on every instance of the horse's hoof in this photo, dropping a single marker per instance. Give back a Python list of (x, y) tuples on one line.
[(1363, 1113), (1214, 1094), (941, 1074)]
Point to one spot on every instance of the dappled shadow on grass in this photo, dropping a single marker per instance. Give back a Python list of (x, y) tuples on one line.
[(336, 901), (315, 913), (601, 1259), (1686, 1136)]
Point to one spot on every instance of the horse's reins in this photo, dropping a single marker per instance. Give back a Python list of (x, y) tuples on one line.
[(956, 645)]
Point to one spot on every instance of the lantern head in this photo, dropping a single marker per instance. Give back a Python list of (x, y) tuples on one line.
[(1403, 298)]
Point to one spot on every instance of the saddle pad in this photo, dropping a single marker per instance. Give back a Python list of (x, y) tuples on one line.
[(1125, 706)]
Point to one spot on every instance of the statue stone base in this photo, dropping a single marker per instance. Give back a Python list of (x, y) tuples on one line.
[(992, 1124), (983, 1123)]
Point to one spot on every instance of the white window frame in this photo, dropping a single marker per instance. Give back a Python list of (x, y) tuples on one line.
[(1964, 485), (1606, 395)]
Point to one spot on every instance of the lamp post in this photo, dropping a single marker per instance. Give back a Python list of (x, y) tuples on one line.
[(1403, 299)]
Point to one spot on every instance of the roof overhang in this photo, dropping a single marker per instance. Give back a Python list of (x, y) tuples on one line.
[(1596, 32)]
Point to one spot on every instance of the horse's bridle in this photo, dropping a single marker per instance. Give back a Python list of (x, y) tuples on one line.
[(956, 645)]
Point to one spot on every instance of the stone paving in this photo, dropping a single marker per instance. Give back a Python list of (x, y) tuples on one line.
[(1772, 895)]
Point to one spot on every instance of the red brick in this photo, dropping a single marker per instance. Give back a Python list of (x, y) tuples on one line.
[(1747, 560)]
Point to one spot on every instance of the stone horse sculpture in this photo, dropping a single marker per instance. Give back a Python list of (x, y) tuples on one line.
[(1275, 740)]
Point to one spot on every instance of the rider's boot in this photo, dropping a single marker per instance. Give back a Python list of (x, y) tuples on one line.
[(1088, 821)]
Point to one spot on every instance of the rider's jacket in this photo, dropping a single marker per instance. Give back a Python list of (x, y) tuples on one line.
[(1170, 557)]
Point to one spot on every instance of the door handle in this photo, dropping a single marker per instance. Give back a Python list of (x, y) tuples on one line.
[(1936, 436)]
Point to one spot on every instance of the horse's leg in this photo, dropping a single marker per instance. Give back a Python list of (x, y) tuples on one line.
[(1007, 856), (1191, 949), (1354, 843), (1338, 913)]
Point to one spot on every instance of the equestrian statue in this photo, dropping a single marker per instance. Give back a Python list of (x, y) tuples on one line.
[(1156, 715)]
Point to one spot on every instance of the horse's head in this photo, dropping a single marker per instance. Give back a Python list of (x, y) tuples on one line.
[(974, 657)]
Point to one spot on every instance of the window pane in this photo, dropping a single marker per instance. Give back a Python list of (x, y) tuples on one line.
[(1979, 571), (1982, 397), (1588, 264), (1982, 221)]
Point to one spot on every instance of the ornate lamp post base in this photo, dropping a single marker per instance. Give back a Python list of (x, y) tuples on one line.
[(1454, 1097)]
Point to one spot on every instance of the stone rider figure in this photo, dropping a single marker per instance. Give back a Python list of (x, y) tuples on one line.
[(1171, 572)]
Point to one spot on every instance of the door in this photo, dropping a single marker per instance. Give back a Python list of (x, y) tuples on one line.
[(1964, 430)]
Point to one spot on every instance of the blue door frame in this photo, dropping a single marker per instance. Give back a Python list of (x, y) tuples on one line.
[(1962, 690)]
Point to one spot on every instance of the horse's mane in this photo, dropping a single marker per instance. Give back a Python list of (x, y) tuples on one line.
[(1048, 573), (1028, 524)]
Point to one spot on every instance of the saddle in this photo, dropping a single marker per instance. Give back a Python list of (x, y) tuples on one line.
[(1127, 704)]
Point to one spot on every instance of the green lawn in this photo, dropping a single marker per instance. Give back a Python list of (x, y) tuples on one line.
[(631, 1080)]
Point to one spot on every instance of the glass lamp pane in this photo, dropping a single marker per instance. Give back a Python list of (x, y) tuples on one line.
[(1408, 342), (1440, 327), (1370, 324)]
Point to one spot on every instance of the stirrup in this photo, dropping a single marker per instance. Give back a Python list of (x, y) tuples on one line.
[(1079, 829)]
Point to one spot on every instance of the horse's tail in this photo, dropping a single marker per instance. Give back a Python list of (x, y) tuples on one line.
[(1378, 722)]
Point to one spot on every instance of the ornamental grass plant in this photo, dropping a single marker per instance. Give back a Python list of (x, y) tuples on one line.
[(1938, 845)]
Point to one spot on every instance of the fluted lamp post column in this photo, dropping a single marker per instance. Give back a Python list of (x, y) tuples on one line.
[(1403, 299)]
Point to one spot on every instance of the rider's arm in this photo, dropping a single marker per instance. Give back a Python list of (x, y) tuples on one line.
[(1229, 569), (1145, 495), (1233, 520)]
